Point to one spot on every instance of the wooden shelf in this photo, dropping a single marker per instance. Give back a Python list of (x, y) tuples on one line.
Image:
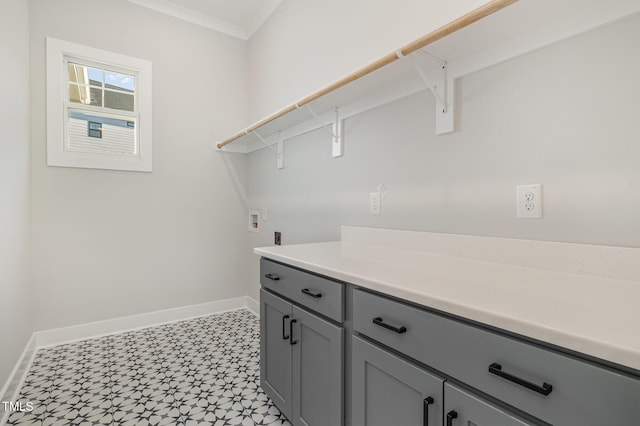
[(489, 35)]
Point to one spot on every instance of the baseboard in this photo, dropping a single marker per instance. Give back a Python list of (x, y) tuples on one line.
[(253, 305), (16, 378), (92, 330)]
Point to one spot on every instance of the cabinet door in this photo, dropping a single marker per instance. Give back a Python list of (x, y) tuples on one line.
[(317, 371), (388, 390), (462, 409), (275, 351)]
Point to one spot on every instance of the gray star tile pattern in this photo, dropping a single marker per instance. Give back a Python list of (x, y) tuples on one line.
[(203, 371)]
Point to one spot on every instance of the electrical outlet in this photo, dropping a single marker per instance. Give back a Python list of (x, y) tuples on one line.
[(277, 238), (529, 201)]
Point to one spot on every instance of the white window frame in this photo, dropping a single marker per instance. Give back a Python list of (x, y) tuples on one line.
[(58, 53)]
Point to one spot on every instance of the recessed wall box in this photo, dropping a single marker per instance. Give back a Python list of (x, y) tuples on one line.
[(254, 221)]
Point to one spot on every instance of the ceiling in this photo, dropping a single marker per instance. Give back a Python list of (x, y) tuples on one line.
[(238, 18)]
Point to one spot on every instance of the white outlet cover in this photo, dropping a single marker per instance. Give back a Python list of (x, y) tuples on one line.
[(529, 201)]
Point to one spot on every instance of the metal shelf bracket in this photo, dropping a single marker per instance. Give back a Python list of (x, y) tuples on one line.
[(336, 131), (280, 152), (442, 90), (264, 141), (280, 148), (338, 135)]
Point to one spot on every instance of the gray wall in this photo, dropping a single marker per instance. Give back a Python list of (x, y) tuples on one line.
[(109, 243), (15, 303), (565, 116)]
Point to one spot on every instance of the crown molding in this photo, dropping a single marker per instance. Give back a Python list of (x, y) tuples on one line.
[(257, 22)]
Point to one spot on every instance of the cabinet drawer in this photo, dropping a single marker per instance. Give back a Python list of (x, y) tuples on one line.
[(317, 293), (581, 394)]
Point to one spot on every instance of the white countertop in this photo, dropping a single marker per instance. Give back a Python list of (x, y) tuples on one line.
[(593, 314)]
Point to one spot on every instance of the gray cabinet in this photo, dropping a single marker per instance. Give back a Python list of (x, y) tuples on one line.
[(388, 390), (275, 351), (462, 408), (485, 377), (301, 363), (554, 387), (317, 371)]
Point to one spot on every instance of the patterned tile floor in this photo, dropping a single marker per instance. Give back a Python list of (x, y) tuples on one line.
[(203, 371)]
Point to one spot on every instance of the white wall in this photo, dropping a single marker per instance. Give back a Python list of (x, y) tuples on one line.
[(109, 243), (15, 304), (565, 116), (308, 44)]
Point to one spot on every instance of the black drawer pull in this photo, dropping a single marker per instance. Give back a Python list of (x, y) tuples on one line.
[(284, 320), (425, 410), (379, 321), (291, 341), (496, 369), (272, 277), (311, 293), (450, 416)]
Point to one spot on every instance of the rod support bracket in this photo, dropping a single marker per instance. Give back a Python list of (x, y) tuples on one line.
[(336, 131), (280, 152), (442, 90), (264, 141), (338, 136)]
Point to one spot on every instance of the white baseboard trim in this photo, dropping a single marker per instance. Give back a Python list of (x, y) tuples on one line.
[(16, 378), (59, 336), (253, 306)]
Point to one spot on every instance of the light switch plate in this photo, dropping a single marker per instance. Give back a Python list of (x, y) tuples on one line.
[(374, 203)]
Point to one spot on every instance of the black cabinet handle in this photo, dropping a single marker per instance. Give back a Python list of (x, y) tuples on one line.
[(496, 369), (291, 341), (379, 321), (425, 410), (450, 416), (311, 293), (272, 277), (284, 319)]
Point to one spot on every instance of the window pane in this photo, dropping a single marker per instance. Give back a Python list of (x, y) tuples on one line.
[(118, 100), (85, 95), (114, 80), (97, 133), (95, 77), (83, 74)]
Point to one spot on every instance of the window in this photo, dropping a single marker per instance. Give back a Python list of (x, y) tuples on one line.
[(98, 108)]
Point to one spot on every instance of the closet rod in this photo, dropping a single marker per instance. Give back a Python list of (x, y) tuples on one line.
[(465, 20)]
